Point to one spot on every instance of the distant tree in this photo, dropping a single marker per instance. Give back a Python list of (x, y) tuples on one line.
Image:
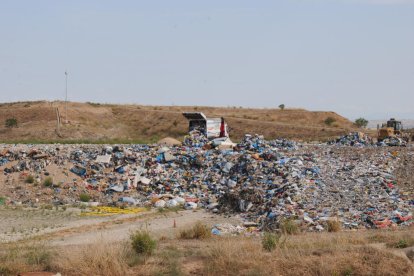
[(11, 122), (329, 121), (282, 106), (361, 122)]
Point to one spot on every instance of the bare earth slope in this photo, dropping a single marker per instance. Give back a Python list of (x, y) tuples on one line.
[(90, 122)]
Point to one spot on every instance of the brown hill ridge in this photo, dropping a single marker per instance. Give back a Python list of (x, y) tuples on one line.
[(91, 122)]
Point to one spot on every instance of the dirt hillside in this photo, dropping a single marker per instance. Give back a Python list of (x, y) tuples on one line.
[(92, 122)]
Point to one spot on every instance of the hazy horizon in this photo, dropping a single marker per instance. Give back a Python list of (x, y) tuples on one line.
[(354, 57)]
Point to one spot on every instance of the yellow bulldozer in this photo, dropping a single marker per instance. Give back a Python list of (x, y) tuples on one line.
[(391, 129)]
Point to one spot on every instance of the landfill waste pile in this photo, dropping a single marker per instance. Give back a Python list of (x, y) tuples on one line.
[(393, 142), (264, 182), (359, 139), (356, 139)]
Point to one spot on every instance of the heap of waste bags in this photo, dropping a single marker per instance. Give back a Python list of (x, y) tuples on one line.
[(393, 142), (359, 139), (265, 182), (356, 139)]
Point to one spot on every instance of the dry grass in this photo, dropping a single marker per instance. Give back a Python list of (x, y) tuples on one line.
[(101, 258), (246, 257), (15, 258), (198, 231), (342, 253), (333, 226), (131, 123)]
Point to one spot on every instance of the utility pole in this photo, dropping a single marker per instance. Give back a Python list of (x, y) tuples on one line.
[(66, 98)]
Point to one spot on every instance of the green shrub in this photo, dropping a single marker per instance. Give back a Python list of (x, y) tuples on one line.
[(361, 122), (11, 122), (282, 107), (329, 121), (142, 242), (2, 200), (288, 226), (270, 241), (29, 179), (84, 197), (48, 182), (198, 231)]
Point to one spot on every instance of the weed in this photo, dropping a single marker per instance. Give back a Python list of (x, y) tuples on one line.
[(329, 121), (198, 231), (38, 255), (4, 270), (289, 227), (333, 226), (11, 122), (270, 241), (347, 272), (402, 243), (48, 182), (29, 179), (84, 197), (143, 243)]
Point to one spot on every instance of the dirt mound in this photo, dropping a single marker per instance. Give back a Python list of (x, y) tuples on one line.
[(106, 123), (168, 141)]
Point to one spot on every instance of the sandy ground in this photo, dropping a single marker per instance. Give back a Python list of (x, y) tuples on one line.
[(160, 225), (68, 227)]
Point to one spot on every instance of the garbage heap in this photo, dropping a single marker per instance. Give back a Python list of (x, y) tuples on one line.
[(265, 182), (355, 139), (360, 139), (393, 142)]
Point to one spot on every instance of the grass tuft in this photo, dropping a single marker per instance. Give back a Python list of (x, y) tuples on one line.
[(270, 241), (289, 227), (29, 179), (48, 182), (198, 231), (143, 243), (84, 197), (333, 226)]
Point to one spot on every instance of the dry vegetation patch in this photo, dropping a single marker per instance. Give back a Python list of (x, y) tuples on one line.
[(342, 253)]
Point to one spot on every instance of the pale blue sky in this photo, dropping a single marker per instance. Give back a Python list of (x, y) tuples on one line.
[(350, 56)]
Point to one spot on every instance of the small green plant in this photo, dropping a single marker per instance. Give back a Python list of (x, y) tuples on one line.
[(84, 197), (270, 241), (4, 270), (402, 243), (282, 107), (347, 271), (48, 182), (2, 200), (11, 122), (29, 179), (198, 231), (329, 121), (38, 255), (289, 227), (143, 243)]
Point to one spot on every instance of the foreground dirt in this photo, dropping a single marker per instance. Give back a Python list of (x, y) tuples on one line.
[(89, 122), (68, 227)]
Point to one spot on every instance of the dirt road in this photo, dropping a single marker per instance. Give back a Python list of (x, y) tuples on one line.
[(69, 228)]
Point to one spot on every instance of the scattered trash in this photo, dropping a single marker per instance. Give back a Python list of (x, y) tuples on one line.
[(265, 182)]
